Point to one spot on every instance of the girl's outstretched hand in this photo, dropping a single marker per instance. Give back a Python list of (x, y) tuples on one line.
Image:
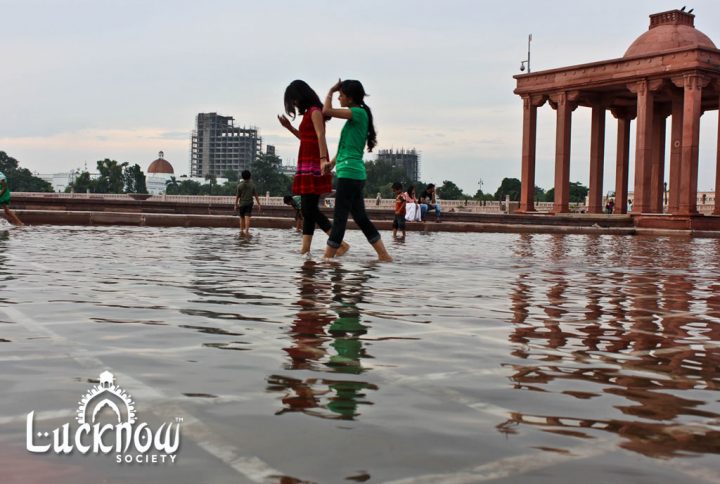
[(285, 121), (336, 86)]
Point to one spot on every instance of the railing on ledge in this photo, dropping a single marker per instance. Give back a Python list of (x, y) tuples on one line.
[(473, 206)]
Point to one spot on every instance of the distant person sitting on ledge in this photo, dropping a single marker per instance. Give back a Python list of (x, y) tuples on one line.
[(412, 208), (430, 201), (5, 201)]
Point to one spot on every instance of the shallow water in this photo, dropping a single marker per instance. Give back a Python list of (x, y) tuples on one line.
[(538, 358)]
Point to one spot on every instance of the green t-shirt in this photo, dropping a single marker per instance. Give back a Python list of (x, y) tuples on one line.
[(5, 197), (349, 162), (245, 192)]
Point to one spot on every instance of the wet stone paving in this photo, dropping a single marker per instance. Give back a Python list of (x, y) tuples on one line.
[(473, 357)]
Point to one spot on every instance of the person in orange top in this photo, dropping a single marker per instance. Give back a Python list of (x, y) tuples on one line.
[(400, 201)]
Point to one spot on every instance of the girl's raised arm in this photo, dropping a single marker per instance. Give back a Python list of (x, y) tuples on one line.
[(329, 110)]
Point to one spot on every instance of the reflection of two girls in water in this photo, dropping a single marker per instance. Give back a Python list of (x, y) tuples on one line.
[(326, 336)]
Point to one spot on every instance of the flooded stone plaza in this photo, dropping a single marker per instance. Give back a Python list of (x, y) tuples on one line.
[(474, 357)]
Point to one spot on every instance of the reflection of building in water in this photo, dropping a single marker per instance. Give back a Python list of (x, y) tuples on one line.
[(645, 334), (325, 336)]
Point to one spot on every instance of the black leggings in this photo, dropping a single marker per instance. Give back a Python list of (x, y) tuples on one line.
[(349, 200), (312, 215)]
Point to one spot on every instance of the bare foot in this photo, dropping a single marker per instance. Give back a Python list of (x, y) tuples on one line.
[(381, 251), (385, 257), (344, 247)]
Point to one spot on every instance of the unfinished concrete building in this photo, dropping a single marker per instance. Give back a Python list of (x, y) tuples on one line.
[(218, 145), (408, 160)]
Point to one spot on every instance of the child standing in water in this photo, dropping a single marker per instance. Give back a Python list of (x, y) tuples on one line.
[(309, 182), (351, 175), (399, 220), (5, 201), (244, 201)]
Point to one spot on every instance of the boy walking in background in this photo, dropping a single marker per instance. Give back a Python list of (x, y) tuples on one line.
[(244, 201), (400, 201), (5, 201)]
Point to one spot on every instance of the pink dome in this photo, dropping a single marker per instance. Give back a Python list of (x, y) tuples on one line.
[(161, 166), (670, 30)]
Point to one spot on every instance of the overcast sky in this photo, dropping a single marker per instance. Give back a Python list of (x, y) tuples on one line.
[(83, 80)]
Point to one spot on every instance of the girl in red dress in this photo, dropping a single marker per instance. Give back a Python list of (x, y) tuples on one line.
[(309, 181)]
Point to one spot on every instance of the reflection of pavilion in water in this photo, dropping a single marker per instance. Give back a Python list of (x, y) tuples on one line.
[(326, 337), (5, 273), (647, 335)]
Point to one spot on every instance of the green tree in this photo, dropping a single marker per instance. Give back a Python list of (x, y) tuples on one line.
[(578, 192), (539, 194), (82, 183), (550, 195), (111, 179), (21, 179), (479, 195), (508, 186), (268, 176), (172, 186), (450, 191), (380, 177), (189, 187), (228, 188), (231, 175), (134, 179)]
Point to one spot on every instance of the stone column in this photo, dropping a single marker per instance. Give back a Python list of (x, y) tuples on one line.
[(597, 159), (716, 211), (529, 142), (657, 169), (643, 143), (675, 153), (564, 103), (622, 163), (692, 84)]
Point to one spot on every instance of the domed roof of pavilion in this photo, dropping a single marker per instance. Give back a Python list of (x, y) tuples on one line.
[(670, 30), (161, 166)]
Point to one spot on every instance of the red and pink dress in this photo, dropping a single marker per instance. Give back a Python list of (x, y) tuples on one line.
[(309, 179)]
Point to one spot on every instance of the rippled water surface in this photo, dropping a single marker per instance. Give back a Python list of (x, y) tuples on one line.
[(515, 357)]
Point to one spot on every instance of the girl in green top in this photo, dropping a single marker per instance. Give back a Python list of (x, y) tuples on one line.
[(5, 201), (350, 167)]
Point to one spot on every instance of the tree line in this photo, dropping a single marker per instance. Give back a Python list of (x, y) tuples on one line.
[(117, 177), (511, 186), (21, 179), (382, 174), (114, 177)]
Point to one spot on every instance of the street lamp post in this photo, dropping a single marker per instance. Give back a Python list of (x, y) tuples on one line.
[(526, 61)]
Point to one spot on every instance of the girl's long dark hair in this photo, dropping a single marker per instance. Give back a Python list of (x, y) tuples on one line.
[(356, 91), (301, 96)]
